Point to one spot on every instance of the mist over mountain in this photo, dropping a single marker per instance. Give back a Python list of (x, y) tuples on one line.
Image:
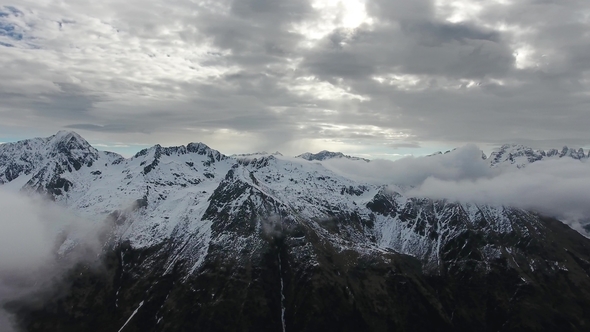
[(553, 183), (187, 238)]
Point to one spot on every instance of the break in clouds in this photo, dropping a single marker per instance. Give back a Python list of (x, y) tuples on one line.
[(554, 187), (362, 76)]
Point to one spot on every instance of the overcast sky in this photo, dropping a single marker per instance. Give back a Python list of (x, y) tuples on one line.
[(375, 78)]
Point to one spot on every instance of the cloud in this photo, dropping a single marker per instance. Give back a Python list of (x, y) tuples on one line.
[(553, 187), (24, 237), (463, 163), (556, 188), (38, 243), (440, 72)]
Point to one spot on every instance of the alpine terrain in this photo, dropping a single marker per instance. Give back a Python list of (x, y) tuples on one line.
[(194, 240)]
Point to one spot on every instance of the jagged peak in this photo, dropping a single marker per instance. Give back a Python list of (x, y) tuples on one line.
[(257, 161), (576, 154), (62, 136), (253, 154), (509, 153), (257, 154), (565, 150), (512, 146), (70, 140), (146, 151), (198, 148), (325, 154), (67, 134)]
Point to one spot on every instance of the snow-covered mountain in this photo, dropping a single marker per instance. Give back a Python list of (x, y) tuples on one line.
[(325, 155), (203, 241), (520, 155)]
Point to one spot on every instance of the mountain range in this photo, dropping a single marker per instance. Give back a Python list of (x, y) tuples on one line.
[(194, 240)]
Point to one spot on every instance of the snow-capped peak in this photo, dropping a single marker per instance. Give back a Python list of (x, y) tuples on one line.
[(324, 155), (68, 136), (256, 154), (71, 144), (64, 151), (198, 148), (573, 153), (521, 155)]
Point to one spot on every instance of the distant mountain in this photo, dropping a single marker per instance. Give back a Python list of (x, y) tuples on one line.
[(325, 155), (520, 155), (200, 241), (256, 154)]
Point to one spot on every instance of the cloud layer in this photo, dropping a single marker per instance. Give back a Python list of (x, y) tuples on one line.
[(253, 75), (553, 187), (557, 188)]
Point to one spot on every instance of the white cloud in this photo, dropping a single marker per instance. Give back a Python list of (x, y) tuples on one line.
[(463, 163), (33, 231), (557, 188), (24, 240)]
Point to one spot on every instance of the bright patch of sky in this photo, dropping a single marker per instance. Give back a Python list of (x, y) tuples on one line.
[(333, 14)]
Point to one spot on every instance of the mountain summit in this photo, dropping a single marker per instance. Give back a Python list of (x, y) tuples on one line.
[(520, 155), (325, 155)]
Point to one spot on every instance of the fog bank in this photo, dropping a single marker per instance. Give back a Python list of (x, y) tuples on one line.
[(557, 187)]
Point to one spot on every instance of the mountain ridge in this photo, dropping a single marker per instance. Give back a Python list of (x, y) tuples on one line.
[(508, 150), (197, 238)]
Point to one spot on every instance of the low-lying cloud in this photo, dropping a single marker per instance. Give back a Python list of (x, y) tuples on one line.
[(558, 188), (464, 163), (555, 187), (39, 241)]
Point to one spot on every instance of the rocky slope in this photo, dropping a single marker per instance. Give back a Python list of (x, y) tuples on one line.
[(199, 241)]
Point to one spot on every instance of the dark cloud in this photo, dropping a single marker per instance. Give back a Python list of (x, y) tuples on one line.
[(64, 104), (417, 50), (257, 32), (437, 33)]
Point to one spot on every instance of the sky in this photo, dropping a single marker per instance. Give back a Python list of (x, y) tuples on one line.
[(372, 78)]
